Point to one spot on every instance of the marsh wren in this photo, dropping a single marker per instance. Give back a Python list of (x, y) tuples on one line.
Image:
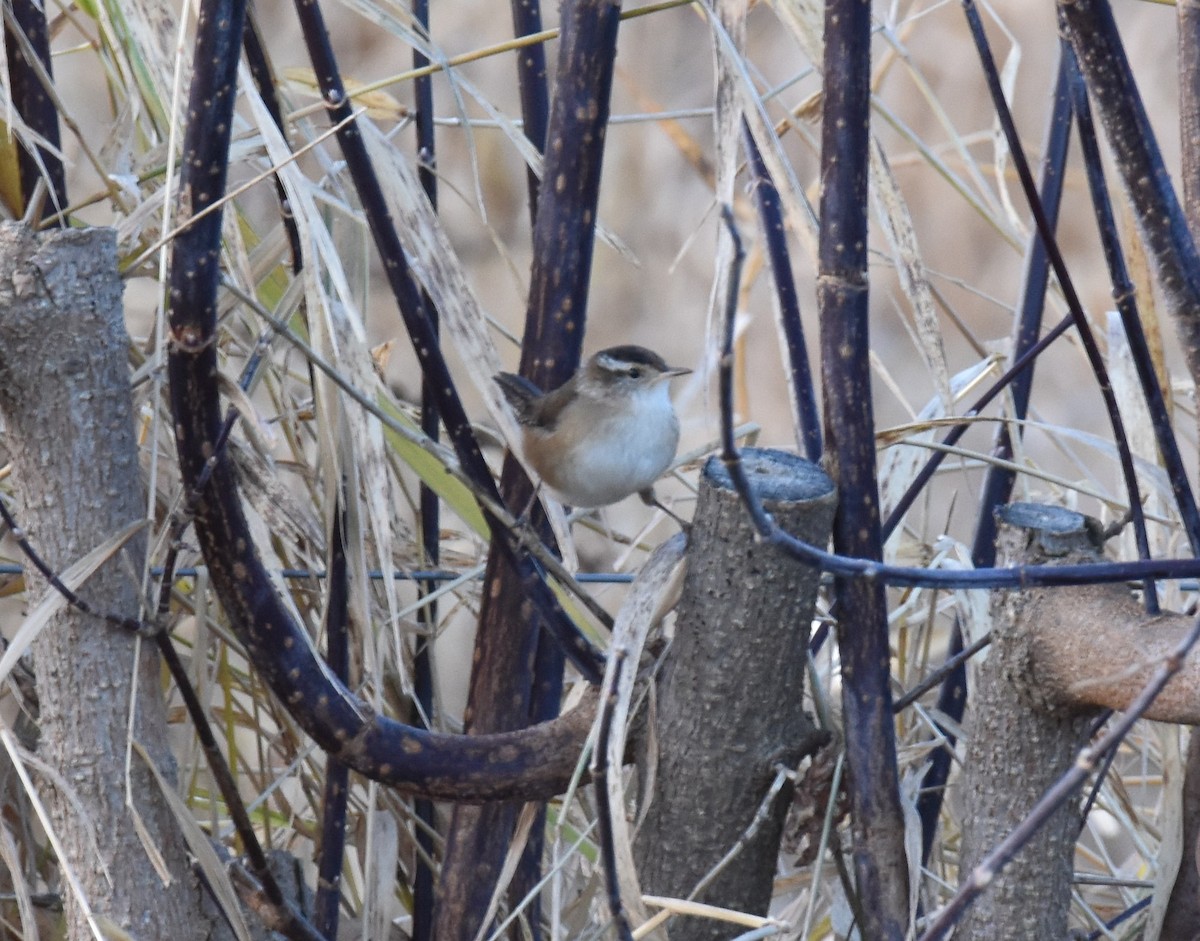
[(609, 431)]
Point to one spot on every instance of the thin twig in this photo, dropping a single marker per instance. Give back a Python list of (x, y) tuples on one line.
[(761, 816), (933, 679), (1094, 357)]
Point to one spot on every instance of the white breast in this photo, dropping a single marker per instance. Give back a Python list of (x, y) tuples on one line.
[(614, 457)]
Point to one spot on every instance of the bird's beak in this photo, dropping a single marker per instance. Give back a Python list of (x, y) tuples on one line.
[(674, 371)]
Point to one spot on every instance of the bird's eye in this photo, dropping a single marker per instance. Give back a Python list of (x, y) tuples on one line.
[(634, 372)]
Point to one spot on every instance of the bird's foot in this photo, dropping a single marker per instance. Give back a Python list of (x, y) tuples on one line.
[(650, 499)]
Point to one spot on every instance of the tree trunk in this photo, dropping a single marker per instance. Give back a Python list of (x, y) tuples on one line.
[(64, 394), (730, 700), (1021, 741)]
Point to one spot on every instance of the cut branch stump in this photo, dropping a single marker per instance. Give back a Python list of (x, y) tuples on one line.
[(730, 700)]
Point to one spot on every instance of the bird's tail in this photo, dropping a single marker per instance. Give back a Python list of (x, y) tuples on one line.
[(521, 394)]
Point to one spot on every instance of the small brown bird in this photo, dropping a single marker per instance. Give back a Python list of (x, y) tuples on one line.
[(609, 431)]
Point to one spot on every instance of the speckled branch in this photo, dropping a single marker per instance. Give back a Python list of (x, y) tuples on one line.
[(535, 762)]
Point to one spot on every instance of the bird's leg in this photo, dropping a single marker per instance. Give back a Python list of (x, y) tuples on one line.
[(524, 522), (523, 529), (650, 499)]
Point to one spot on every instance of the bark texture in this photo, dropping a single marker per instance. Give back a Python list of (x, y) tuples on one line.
[(1091, 29), (1188, 20), (1183, 910), (729, 703), (1094, 646), (1021, 741), (64, 394)]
